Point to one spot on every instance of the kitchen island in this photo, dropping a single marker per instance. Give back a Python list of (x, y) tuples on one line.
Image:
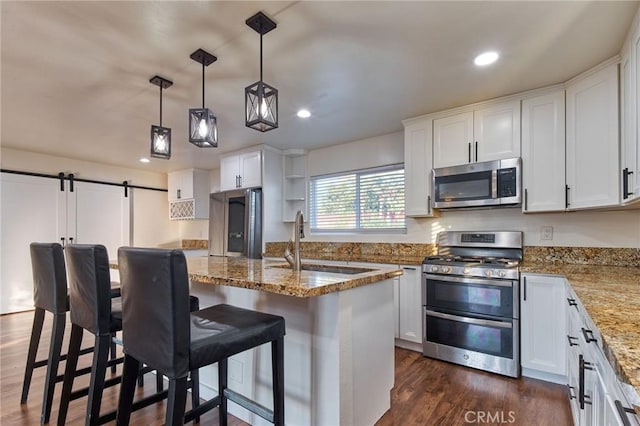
[(339, 346)]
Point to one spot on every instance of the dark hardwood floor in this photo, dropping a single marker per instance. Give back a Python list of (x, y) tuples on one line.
[(427, 392)]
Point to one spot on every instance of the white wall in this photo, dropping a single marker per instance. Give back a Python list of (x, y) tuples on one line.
[(151, 224), (585, 228)]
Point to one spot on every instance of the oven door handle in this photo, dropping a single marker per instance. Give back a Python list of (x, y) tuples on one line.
[(468, 320), (499, 283)]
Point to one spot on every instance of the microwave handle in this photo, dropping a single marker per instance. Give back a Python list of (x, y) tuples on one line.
[(494, 184)]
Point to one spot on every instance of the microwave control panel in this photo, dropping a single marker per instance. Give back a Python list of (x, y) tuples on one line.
[(507, 182)]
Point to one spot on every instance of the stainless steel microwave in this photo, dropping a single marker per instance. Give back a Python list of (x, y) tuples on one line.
[(483, 184)]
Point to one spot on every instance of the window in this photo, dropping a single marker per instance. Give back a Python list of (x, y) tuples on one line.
[(370, 200)]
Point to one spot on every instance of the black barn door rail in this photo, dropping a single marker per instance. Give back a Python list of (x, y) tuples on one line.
[(71, 178)]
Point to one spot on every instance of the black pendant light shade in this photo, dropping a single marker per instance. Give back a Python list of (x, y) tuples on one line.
[(203, 124), (261, 99), (160, 136)]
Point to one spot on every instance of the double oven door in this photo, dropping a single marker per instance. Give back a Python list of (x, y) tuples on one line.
[(472, 321)]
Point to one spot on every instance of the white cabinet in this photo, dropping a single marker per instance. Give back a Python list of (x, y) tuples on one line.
[(543, 325), (188, 194), (37, 209), (488, 133), (241, 170), (418, 162), (543, 153), (410, 304), (594, 389), (294, 185), (592, 140), (630, 96)]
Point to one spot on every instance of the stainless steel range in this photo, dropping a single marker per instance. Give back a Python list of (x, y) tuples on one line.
[(470, 299)]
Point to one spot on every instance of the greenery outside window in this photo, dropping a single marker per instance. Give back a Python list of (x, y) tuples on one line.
[(369, 200)]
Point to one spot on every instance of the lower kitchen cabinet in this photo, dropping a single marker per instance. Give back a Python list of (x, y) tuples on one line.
[(410, 304), (595, 394), (543, 327)]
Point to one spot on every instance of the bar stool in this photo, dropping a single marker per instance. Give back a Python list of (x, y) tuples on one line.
[(159, 331), (49, 295), (92, 309)]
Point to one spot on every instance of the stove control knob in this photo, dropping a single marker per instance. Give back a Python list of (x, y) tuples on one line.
[(489, 272), (501, 274), (446, 269), (466, 271), (434, 268)]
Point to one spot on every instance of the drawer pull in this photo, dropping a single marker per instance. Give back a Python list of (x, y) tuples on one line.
[(583, 365), (588, 335), (571, 339), (572, 302), (622, 412), (572, 394)]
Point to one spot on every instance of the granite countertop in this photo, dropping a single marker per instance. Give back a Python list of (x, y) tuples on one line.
[(263, 275), (611, 296)]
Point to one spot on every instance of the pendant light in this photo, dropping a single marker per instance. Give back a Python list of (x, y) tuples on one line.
[(161, 136), (260, 99), (203, 124)]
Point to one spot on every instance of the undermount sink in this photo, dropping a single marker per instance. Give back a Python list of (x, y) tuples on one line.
[(328, 268)]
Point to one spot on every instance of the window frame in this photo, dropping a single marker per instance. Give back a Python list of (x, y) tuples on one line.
[(358, 174)]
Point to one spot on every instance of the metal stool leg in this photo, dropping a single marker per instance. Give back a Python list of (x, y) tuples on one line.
[(59, 321), (69, 373), (36, 332), (195, 391), (113, 352)]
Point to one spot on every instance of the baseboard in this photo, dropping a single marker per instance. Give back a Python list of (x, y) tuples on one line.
[(543, 375), (412, 346)]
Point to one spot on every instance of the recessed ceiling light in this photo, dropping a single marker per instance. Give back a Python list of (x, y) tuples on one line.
[(144, 160), (304, 113), (486, 58)]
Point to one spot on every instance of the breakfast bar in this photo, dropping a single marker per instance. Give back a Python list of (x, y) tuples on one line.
[(339, 343)]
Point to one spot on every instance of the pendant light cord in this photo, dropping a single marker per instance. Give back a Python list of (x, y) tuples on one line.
[(203, 83), (261, 52), (161, 104)]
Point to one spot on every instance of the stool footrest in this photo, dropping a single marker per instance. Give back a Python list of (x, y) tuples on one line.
[(249, 404), (201, 409), (63, 357), (152, 399)]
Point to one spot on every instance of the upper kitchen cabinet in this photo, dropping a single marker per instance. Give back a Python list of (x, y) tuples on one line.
[(241, 170), (630, 93), (543, 153), (592, 175), (488, 133), (418, 162), (188, 194)]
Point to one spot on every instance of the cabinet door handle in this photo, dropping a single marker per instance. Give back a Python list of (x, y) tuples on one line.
[(622, 412), (625, 183), (239, 181), (571, 339), (428, 204), (70, 240), (588, 335), (62, 240), (582, 397), (476, 151), (526, 199), (566, 196), (524, 285), (571, 395), (572, 302), (178, 194), (469, 152)]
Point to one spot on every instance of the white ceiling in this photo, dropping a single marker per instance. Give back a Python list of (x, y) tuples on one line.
[(75, 75)]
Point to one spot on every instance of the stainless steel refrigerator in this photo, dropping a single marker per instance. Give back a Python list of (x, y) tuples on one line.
[(235, 223)]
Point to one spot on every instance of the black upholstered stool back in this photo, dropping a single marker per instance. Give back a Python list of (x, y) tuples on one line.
[(89, 287), (155, 307), (49, 277)]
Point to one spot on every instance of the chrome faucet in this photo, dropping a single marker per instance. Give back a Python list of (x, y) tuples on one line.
[(298, 232)]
